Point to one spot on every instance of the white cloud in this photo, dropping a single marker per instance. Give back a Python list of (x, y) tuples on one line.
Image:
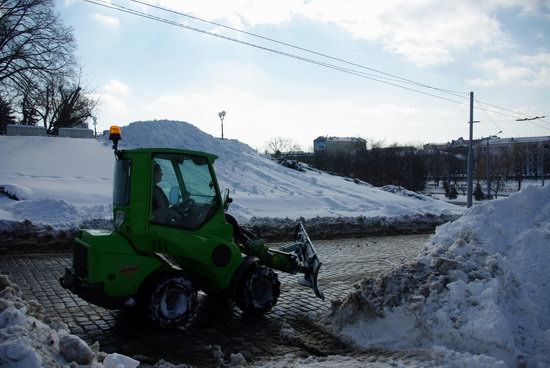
[(426, 32), (525, 6), (108, 21), (116, 86), (526, 70), (111, 105)]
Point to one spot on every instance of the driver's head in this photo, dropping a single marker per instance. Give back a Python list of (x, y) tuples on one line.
[(157, 173)]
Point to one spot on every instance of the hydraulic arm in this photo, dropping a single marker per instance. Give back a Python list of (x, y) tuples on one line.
[(297, 257)]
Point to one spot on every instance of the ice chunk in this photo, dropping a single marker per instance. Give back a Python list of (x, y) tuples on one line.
[(74, 349), (116, 360)]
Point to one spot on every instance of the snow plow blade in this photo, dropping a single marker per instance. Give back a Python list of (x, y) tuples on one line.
[(307, 257)]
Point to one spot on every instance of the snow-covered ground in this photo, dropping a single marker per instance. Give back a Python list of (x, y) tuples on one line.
[(478, 294), (64, 181)]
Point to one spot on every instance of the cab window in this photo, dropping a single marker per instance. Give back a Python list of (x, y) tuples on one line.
[(183, 191), (121, 183)]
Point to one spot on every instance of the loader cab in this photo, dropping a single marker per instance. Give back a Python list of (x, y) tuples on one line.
[(164, 187)]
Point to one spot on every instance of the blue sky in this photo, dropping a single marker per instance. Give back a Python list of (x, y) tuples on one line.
[(141, 69)]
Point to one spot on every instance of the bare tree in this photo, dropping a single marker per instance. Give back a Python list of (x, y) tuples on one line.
[(497, 184), (34, 43), (518, 162), (60, 103), (278, 145)]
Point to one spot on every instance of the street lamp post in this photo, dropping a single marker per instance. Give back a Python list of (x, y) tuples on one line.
[(222, 116), (95, 124)]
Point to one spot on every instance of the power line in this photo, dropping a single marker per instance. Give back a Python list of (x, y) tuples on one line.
[(330, 66), (358, 73), (502, 108), (539, 125), (492, 120), (393, 76), (535, 123)]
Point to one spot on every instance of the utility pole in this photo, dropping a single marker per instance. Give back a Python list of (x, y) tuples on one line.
[(543, 149), (488, 171), (471, 152)]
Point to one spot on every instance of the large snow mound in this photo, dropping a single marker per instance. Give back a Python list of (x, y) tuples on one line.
[(263, 188), (65, 180), (480, 286)]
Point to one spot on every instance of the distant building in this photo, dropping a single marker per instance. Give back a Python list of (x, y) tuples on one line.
[(339, 145), (531, 153), (456, 147)]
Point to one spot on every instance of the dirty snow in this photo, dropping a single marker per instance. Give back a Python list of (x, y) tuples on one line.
[(29, 339), (480, 287), (64, 181)]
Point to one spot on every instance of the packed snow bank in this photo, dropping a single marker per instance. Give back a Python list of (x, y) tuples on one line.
[(77, 171), (29, 339), (345, 227), (480, 286), (64, 181), (437, 358), (55, 181)]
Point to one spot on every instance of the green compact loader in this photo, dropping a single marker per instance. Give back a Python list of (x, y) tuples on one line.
[(173, 237)]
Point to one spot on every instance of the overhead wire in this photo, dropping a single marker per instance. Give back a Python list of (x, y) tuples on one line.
[(392, 76), (501, 108), (537, 124), (390, 80), (492, 120), (327, 65)]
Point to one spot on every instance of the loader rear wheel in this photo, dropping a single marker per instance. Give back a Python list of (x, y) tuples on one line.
[(172, 302), (259, 291)]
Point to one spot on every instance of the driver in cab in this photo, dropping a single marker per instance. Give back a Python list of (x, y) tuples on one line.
[(160, 201), (162, 213)]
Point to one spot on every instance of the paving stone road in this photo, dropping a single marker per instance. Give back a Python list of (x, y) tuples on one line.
[(217, 321)]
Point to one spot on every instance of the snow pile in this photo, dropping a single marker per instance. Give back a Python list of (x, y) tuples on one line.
[(481, 286), (382, 359), (15, 192), (28, 339), (64, 181), (395, 189), (263, 188)]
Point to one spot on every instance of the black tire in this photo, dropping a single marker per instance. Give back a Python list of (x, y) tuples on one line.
[(258, 291), (171, 301)]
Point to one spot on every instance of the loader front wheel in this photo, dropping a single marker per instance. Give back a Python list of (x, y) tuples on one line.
[(259, 291), (172, 302)]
